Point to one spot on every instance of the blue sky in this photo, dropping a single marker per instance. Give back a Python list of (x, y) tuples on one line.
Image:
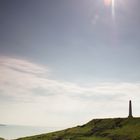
[(68, 59)]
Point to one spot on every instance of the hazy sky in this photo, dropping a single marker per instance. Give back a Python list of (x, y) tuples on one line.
[(65, 62)]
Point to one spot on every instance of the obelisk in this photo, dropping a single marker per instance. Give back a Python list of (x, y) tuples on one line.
[(130, 110)]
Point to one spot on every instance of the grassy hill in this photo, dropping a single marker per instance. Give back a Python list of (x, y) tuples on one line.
[(98, 129)]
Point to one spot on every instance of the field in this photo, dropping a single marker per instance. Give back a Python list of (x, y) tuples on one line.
[(98, 129)]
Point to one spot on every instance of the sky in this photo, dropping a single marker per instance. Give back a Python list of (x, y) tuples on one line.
[(66, 62)]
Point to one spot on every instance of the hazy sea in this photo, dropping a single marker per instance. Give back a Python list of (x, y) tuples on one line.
[(10, 132)]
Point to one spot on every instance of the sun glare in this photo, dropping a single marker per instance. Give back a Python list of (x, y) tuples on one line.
[(111, 3), (108, 2)]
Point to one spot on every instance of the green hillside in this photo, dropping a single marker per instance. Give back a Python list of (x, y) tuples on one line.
[(98, 129)]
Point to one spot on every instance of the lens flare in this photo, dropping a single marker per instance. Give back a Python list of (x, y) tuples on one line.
[(113, 8)]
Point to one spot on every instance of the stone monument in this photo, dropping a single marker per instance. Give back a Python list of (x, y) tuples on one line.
[(130, 110)]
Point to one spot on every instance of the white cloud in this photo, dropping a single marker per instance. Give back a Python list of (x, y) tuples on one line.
[(28, 96)]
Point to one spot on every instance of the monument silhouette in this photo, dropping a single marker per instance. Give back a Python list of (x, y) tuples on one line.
[(130, 110)]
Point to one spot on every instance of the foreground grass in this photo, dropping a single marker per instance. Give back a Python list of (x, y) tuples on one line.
[(99, 129)]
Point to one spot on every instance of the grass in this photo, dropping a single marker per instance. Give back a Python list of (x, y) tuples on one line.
[(98, 129)]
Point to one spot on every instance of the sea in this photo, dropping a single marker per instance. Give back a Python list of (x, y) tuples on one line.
[(10, 132)]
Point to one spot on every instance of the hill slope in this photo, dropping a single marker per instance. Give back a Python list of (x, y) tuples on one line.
[(98, 129)]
